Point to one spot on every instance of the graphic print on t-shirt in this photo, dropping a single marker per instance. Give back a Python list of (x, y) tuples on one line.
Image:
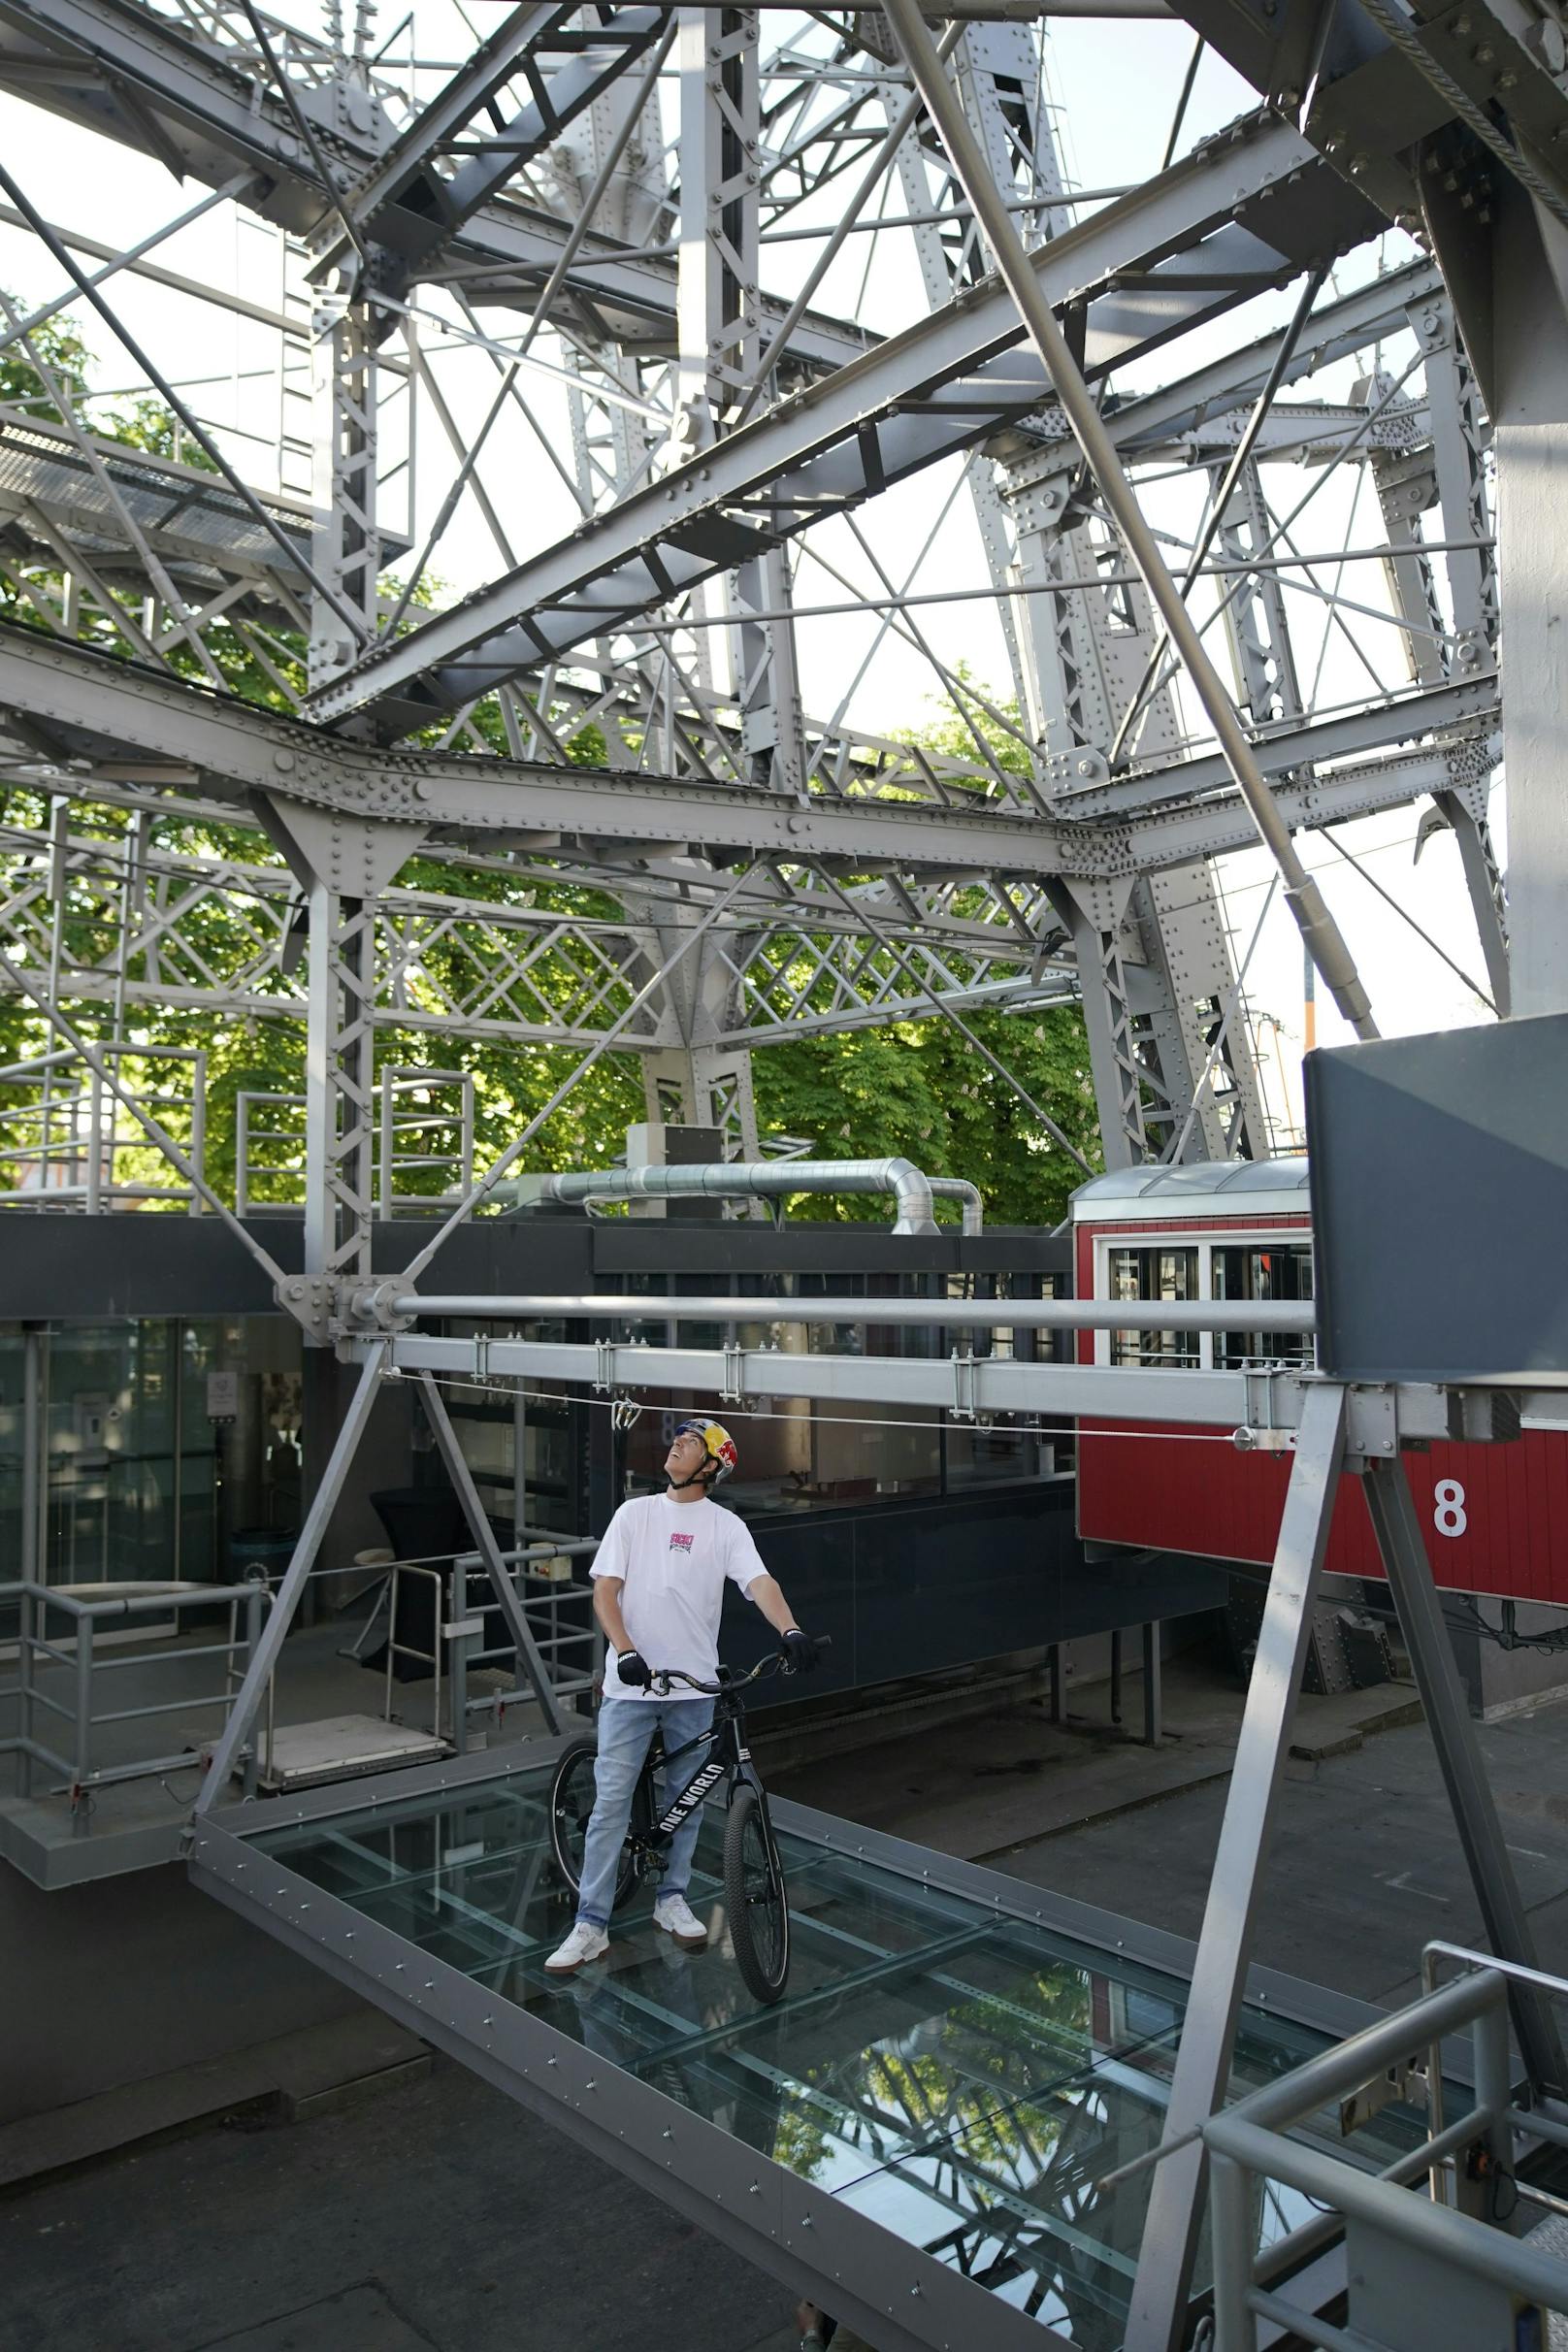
[(680, 1542)]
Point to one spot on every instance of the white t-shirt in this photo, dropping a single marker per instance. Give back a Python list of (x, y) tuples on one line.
[(673, 1559)]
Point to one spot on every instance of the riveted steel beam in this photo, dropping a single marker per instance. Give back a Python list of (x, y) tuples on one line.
[(85, 705)]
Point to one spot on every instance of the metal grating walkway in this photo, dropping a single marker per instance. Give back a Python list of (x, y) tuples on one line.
[(915, 2134)]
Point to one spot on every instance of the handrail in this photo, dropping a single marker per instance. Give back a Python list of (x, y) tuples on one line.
[(34, 1601), (140, 1601), (1019, 1313), (1248, 2141), (73, 1654)]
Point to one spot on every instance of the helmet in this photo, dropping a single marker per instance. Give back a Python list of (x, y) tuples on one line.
[(717, 1444)]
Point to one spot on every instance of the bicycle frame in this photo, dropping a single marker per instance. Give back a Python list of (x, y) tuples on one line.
[(726, 1756)]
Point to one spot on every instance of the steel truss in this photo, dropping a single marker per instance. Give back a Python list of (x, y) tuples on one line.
[(229, 726), (561, 216)]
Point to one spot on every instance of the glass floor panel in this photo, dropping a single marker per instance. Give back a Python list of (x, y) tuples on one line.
[(963, 2078)]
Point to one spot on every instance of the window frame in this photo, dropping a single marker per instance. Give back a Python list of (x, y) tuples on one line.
[(1205, 1239)]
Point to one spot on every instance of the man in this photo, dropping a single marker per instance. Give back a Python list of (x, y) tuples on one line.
[(658, 1592)]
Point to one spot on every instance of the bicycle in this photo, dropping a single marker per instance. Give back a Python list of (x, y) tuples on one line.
[(754, 1892)]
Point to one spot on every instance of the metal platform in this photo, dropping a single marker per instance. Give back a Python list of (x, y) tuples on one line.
[(343, 1748), (916, 2135), (99, 494)]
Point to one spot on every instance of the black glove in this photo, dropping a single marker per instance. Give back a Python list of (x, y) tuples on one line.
[(799, 1650), (633, 1667)]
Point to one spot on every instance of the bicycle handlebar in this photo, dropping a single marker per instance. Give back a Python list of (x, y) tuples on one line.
[(661, 1677)]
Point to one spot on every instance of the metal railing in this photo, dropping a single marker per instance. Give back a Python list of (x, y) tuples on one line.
[(269, 1153), (420, 1132), (61, 1667), (569, 1642), (567, 1638), (65, 1141), (425, 1123), (1248, 2146), (74, 1663)]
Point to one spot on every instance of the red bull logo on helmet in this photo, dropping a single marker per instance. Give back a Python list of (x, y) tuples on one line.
[(717, 1442)]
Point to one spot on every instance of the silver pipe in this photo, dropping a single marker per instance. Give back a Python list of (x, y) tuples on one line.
[(757, 1179), (1334, 2073), (960, 1189), (1294, 1314)]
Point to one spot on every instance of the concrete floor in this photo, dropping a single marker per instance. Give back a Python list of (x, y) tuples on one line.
[(429, 2215)]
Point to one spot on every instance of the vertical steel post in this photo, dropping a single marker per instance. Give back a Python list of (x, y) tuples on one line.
[(26, 1608), (320, 1106), (519, 1469), (34, 1430), (265, 1655), (461, 1643), (255, 1594), (489, 1550), (82, 1769), (1156, 2320), (1231, 2220), (340, 1111), (347, 544), (1494, 2077), (1414, 1598), (1152, 1710)]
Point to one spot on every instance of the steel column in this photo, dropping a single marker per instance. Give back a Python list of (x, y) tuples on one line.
[(1153, 1713), (347, 548), (1426, 1637), (1156, 2320), (34, 1466), (263, 1659), (1530, 433)]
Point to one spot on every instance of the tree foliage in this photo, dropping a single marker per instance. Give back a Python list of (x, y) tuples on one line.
[(919, 1089), (919, 1086)]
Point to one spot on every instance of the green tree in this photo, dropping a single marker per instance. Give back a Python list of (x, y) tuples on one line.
[(150, 424), (918, 1086), (61, 350)]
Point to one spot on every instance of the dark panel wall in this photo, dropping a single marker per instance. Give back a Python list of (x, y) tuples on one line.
[(915, 1588), (129, 1977), (97, 1266)]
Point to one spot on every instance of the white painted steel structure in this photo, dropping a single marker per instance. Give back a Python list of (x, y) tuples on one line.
[(638, 825), (611, 202)]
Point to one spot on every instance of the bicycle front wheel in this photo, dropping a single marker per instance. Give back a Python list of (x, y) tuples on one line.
[(571, 1800), (754, 1897)]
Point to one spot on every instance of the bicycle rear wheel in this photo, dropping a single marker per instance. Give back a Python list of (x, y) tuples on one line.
[(754, 1897), (571, 1800)]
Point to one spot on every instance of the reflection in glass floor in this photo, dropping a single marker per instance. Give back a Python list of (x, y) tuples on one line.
[(958, 2076)]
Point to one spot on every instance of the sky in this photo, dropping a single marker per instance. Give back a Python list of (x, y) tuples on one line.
[(1114, 86)]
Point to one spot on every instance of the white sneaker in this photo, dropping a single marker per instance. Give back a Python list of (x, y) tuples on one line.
[(585, 1943), (676, 1915)]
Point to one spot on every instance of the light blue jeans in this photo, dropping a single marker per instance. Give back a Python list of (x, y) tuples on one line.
[(626, 1729)]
